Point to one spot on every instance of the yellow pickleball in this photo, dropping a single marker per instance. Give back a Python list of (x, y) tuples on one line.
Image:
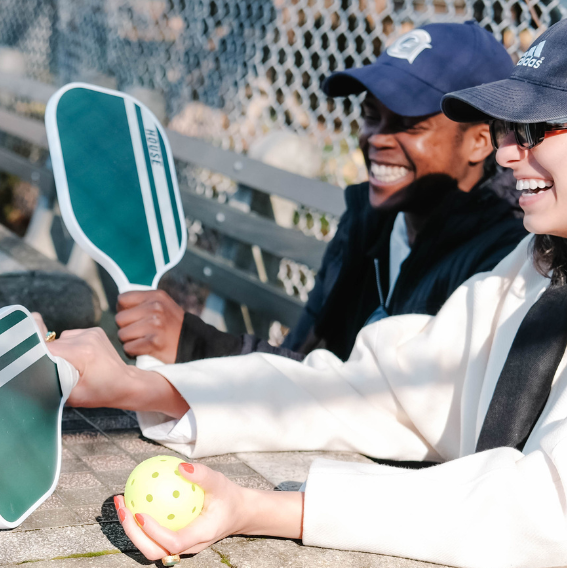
[(156, 487)]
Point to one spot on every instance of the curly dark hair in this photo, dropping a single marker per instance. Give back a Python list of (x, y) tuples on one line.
[(550, 255)]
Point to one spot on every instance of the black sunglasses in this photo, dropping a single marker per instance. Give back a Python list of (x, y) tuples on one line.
[(527, 135)]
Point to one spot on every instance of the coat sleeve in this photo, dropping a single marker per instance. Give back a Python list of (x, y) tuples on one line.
[(397, 397), (264, 402), (324, 281), (199, 340), (498, 508)]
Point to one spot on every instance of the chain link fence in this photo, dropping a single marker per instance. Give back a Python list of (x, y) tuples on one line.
[(244, 74), (232, 71)]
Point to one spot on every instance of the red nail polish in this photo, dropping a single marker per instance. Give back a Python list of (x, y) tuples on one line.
[(116, 502), (187, 467), (121, 515), (140, 519)]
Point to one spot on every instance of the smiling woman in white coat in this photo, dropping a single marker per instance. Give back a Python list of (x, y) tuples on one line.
[(481, 388)]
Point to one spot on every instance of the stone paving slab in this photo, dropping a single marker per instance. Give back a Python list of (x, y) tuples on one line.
[(244, 552), (290, 469), (111, 560), (206, 559), (29, 545), (100, 448)]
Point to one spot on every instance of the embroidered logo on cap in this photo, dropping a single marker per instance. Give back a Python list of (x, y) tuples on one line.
[(410, 45), (532, 57)]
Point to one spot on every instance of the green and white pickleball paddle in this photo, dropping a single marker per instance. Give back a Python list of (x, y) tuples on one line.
[(116, 183), (34, 386)]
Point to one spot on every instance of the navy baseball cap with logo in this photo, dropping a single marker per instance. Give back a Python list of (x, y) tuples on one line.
[(536, 91), (414, 73)]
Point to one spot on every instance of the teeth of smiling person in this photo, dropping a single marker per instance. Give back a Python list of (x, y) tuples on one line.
[(385, 173), (531, 184)]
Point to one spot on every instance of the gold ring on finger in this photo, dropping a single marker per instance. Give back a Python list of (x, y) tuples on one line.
[(171, 560), (50, 336)]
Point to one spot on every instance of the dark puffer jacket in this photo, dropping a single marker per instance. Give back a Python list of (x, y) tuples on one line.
[(466, 234)]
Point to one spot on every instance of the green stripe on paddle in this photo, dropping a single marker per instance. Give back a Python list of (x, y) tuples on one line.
[(152, 185), (11, 320), (20, 349), (172, 197)]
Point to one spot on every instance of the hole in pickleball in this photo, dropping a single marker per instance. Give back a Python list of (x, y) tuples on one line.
[(132, 503), (176, 472), (155, 474), (149, 498), (194, 509), (170, 517), (193, 487), (162, 460), (176, 494), (132, 482)]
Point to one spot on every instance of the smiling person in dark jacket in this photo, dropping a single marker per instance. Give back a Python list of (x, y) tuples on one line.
[(434, 212)]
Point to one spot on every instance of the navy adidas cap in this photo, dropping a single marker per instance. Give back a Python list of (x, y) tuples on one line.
[(412, 75), (536, 91)]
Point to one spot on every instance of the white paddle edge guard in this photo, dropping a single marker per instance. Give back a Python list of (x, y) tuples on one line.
[(56, 152), (68, 378)]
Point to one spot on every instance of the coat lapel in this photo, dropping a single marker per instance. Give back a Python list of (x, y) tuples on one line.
[(524, 291)]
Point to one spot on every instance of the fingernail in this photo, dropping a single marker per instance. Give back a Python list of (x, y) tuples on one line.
[(187, 467), (121, 515), (116, 502), (140, 519)]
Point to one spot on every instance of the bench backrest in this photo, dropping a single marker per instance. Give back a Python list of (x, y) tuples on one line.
[(219, 274)]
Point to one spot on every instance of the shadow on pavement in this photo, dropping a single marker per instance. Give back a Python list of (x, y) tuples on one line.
[(115, 534)]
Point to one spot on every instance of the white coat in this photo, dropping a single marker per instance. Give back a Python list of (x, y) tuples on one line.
[(415, 388)]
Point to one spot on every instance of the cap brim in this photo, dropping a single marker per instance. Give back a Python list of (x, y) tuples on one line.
[(510, 99), (398, 90)]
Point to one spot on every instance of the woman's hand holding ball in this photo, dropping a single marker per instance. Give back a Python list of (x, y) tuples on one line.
[(157, 487), (224, 513)]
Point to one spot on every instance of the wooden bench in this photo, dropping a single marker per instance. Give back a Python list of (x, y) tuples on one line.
[(222, 276)]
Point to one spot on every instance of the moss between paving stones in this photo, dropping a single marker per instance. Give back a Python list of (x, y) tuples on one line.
[(225, 559), (83, 555)]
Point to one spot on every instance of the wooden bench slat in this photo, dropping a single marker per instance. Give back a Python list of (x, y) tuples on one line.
[(254, 230), (28, 129), (253, 173), (17, 165), (26, 88), (229, 282)]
